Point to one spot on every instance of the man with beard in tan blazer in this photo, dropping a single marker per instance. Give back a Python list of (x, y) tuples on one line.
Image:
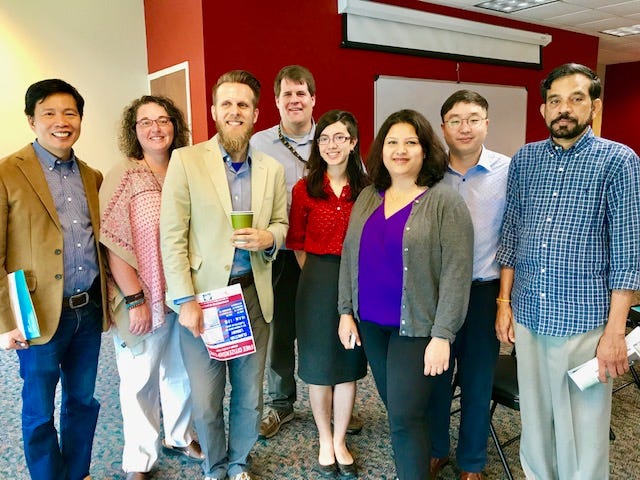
[(201, 251)]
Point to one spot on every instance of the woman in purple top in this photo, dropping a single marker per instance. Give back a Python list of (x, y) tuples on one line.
[(405, 275)]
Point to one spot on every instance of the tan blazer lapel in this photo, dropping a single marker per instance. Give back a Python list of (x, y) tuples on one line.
[(91, 192), (31, 168), (216, 168), (258, 185)]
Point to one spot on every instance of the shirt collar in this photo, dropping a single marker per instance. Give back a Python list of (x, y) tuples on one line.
[(308, 138), (227, 157), (50, 161), (583, 142), (228, 160), (484, 162)]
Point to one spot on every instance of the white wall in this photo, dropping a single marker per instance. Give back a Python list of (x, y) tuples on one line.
[(99, 47)]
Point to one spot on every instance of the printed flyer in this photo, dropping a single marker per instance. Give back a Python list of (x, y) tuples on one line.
[(227, 333)]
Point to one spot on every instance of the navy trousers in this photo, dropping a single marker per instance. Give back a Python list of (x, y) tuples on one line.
[(475, 352)]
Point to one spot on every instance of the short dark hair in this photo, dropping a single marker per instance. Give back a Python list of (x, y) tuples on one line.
[(435, 156), (239, 76), (128, 137), (464, 96), (39, 91), (317, 167), (571, 69), (296, 73)]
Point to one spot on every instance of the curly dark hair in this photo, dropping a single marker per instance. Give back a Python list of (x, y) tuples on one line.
[(128, 138), (317, 167), (435, 156)]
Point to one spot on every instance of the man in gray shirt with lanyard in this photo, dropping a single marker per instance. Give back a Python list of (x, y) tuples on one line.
[(289, 142)]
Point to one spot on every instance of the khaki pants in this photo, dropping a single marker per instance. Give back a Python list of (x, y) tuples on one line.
[(565, 432)]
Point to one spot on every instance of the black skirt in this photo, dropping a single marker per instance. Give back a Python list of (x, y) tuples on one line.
[(322, 360)]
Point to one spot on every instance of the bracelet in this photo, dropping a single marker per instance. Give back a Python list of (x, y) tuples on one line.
[(503, 300), (134, 297), (135, 303)]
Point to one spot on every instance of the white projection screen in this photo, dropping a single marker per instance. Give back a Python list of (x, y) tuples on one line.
[(507, 106)]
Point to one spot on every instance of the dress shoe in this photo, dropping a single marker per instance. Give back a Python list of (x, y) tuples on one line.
[(355, 425), (348, 471), (327, 471), (138, 475), (471, 476), (191, 451), (435, 465), (273, 420), (242, 476)]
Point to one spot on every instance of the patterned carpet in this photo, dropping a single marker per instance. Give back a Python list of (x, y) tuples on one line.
[(292, 453)]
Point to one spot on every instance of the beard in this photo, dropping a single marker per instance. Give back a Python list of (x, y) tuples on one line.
[(568, 131), (234, 143)]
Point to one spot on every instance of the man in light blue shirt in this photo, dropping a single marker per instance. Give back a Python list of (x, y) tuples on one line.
[(480, 176)]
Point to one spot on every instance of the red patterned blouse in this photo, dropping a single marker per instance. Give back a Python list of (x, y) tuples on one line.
[(318, 225)]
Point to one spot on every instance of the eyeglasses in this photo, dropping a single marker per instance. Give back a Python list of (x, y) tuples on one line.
[(338, 139), (147, 122), (456, 123)]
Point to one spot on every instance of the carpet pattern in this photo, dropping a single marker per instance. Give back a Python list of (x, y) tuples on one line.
[(292, 453)]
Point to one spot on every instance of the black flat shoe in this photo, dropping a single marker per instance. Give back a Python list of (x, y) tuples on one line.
[(348, 472), (327, 471)]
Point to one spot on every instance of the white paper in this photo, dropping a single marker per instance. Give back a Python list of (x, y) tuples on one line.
[(586, 375)]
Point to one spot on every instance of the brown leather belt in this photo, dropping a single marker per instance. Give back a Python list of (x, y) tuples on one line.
[(244, 281)]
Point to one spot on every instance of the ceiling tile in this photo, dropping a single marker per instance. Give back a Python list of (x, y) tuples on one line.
[(578, 18), (622, 9), (606, 23), (548, 10), (593, 3)]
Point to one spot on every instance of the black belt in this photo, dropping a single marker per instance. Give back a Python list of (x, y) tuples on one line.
[(82, 299), (244, 281), (477, 283)]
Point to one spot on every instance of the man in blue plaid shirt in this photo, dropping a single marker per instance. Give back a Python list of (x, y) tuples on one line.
[(570, 257)]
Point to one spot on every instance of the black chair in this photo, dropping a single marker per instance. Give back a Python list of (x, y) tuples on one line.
[(505, 393), (632, 322)]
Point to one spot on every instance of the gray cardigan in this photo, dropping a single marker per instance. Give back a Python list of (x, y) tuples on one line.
[(437, 259)]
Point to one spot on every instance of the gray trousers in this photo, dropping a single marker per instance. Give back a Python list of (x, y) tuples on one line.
[(565, 432), (208, 380)]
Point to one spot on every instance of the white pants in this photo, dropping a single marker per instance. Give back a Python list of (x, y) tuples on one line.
[(153, 378), (565, 431)]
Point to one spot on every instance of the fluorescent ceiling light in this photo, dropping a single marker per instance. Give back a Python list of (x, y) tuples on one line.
[(623, 31), (510, 6)]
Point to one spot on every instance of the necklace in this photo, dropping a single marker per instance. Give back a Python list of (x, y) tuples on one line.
[(155, 177), (286, 143)]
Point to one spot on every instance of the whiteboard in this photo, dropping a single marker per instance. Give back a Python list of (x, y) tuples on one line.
[(507, 106)]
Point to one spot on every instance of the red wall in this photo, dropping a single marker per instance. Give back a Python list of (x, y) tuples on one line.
[(264, 38), (621, 104), (174, 35)]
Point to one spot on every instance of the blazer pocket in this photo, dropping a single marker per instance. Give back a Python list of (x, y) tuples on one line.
[(32, 282), (195, 261)]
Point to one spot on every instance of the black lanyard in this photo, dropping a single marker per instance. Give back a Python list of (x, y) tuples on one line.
[(286, 143)]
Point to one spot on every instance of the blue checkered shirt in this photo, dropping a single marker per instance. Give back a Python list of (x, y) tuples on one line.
[(571, 231)]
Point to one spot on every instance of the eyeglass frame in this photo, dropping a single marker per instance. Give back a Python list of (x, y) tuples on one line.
[(161, 121), (326, 139), (463, 120)]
